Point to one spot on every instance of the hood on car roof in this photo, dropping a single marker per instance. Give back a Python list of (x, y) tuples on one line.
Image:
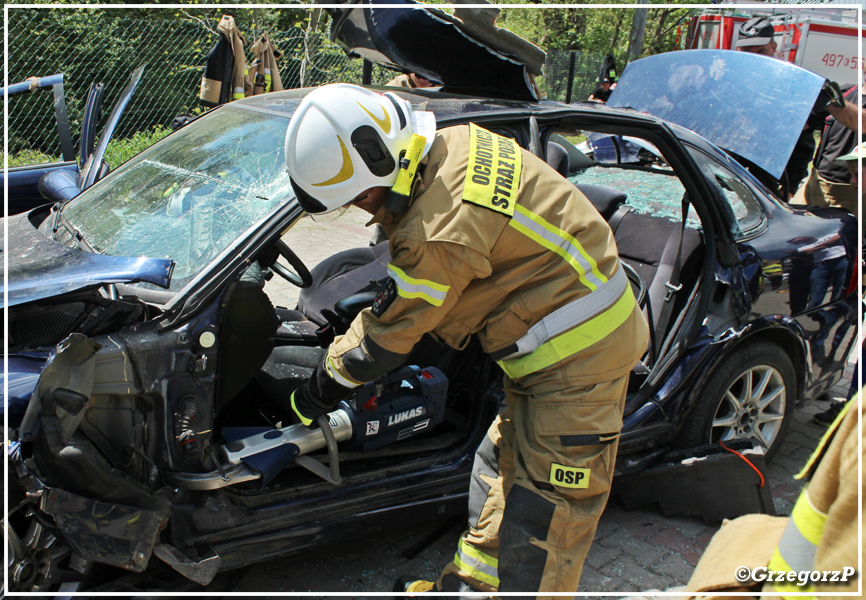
[(465, 52), (40, 268), (750, 105)]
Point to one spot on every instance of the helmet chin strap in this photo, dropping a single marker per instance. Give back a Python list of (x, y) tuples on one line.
[(397, 200)]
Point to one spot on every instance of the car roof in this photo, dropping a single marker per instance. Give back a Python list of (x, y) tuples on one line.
[(456, 108), (443, 105)]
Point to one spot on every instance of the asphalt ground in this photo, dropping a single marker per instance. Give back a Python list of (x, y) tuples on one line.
[(634, 550)]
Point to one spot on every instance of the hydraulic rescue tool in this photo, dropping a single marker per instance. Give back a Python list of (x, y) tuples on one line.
[(400, 405)]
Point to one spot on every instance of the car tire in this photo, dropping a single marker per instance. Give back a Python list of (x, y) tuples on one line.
[(727, 408)]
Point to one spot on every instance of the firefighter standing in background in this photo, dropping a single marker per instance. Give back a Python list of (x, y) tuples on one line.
[(486, 239)]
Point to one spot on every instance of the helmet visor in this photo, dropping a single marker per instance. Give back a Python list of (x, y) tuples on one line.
[(327, 217)]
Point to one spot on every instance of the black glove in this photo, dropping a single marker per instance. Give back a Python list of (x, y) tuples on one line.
[(318, 396), (307, 407), (831, 95)]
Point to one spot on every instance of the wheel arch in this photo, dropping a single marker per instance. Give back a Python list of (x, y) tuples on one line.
[(791, 344)]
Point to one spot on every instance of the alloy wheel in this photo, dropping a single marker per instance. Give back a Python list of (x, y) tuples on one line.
[(39, 561), (752, 407)]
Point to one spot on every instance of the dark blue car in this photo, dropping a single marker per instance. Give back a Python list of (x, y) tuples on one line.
[(145, 353)]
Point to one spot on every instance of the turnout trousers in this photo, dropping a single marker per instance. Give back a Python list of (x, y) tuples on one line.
[(540, 481)]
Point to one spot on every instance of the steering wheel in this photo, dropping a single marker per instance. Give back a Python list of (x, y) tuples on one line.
[(301, 276)]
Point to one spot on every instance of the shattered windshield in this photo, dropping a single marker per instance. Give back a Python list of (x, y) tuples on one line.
[(189, 197)]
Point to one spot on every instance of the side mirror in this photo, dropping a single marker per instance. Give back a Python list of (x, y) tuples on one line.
[(59, 186)]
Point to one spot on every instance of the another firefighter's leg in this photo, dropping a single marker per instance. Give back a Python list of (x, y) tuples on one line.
[(566, 446)]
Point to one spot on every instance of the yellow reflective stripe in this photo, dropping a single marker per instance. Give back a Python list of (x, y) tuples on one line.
[(338, 377), (796, 550), (777, 563), (410, 287), (825, 440), (572, 341), (267, 80), (476, 564), (561, 242), (238, 93), (809, 520), (303, 419)]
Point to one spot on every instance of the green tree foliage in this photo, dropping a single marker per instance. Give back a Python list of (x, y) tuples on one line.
[(106, 45), (596, 29)]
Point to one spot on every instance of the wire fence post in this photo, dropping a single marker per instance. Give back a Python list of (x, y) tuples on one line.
[(570, 78), (367, 76)]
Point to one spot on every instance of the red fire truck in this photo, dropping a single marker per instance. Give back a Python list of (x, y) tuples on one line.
[(825, 41)]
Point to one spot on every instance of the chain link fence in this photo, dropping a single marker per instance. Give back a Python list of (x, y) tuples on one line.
[(95, 46), (558, 67)]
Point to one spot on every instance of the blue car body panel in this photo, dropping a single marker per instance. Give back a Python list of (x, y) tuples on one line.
[(23, 184), (41, 268), (22, 376)]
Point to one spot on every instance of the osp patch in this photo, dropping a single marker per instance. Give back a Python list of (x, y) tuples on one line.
[(569, 477)]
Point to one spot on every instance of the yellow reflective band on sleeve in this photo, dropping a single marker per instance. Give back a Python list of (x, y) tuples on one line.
[(569, 477), (561, 242), (572, 341), (809, 520), (303, 419), (789, 590), (336, 376), (825, 439), (476, 564), (409, 287), (493, 172)]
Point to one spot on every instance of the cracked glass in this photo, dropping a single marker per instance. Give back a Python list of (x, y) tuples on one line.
[(192, 195)]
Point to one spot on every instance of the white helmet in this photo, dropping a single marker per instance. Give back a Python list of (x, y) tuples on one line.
[(344, 139)]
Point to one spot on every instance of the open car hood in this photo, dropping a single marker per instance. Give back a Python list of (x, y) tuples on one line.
[(40, 268), (750, 105), (465, 52)]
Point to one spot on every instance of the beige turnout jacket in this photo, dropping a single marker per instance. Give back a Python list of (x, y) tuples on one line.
[(497, 243)]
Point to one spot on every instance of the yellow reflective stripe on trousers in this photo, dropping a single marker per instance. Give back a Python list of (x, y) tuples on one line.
[(572, 341), (799, 544), (409, 287), (476, 564), (238, 93), (556, 240)]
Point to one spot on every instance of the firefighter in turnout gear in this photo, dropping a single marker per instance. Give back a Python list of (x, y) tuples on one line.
[(485, 239)]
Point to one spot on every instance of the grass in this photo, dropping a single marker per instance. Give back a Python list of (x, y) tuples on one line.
[(117, 153), (120, 151)]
